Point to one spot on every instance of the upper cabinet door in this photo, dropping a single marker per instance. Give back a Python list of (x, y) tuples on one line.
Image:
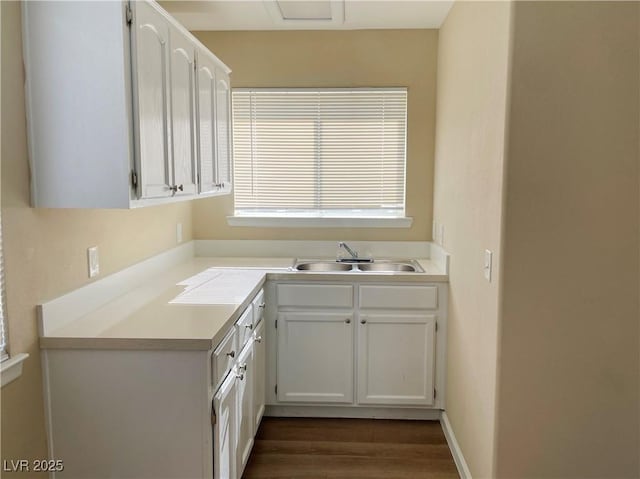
[(223, 131), (206, 84), (183, 115), (152, 101)]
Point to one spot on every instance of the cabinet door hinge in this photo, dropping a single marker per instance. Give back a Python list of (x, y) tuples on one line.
[(128, 14), (213, 416), (436, 326), (276, 324), (435, 393), (276, 389), (134, 179)]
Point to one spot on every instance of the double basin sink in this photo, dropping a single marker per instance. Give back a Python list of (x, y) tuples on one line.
[(377, 266)]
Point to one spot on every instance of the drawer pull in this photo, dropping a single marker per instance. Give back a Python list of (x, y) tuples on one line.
[(363, 321), (250, 326), (243, 367), (240, 376), (261, 305), (348, 321), (258, 339), (232, 354)]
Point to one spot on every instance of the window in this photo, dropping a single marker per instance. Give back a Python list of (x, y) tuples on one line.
[(320, 153), (3, 326), (10, 368)]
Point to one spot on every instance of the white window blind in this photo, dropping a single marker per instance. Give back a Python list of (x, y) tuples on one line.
[(320, 152)]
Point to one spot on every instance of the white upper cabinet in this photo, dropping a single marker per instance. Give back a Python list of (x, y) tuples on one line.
[(223, 130), (120, 114), (183, 113), (152, 108), (214, 125), (206, 80)]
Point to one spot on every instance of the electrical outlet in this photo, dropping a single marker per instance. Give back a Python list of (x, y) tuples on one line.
[(179, 233), (93, 261), (488, 257)]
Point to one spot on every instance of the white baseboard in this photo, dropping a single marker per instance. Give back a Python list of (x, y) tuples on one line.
[(456, 452), (353, 412)]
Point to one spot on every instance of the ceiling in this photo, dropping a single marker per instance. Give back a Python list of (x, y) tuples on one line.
[(307, 14)]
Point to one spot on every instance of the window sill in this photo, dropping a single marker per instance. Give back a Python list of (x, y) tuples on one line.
[(11, 369), (299, 222)]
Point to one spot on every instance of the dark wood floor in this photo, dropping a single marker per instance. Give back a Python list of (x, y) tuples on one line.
[(294, 448)]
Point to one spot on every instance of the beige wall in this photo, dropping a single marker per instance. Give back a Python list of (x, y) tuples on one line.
[(45, 251), (336, 59), (471, 108), (568, 381)]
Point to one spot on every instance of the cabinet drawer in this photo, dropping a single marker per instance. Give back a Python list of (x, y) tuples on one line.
[(223, 356), (244, 326), (316, 295), (398, 297), (258, 308)]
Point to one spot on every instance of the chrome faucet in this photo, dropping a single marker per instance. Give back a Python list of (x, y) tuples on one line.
[(354, 254)]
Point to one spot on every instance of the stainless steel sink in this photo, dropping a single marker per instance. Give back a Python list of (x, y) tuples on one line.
[(378, 266), (384, 267), (322, 266)]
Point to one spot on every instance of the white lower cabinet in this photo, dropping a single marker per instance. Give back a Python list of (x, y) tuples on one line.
[(224, 429), (396, 355), (239, 402), (259, 362), (245, 377), (315, 357), (362, 344), (238, 418)]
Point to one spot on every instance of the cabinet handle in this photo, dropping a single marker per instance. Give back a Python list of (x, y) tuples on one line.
[(348, 321), (232, 354), (250, 326), (363, 321), (258, 339), (243, 367), (173, 189), (240, 376), (261, 305), (181, 188)]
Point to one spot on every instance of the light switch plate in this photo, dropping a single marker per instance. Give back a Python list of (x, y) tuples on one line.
[(93, 261), (488, 260)]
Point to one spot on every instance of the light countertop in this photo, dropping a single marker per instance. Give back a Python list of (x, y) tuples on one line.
[(191, 306)]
